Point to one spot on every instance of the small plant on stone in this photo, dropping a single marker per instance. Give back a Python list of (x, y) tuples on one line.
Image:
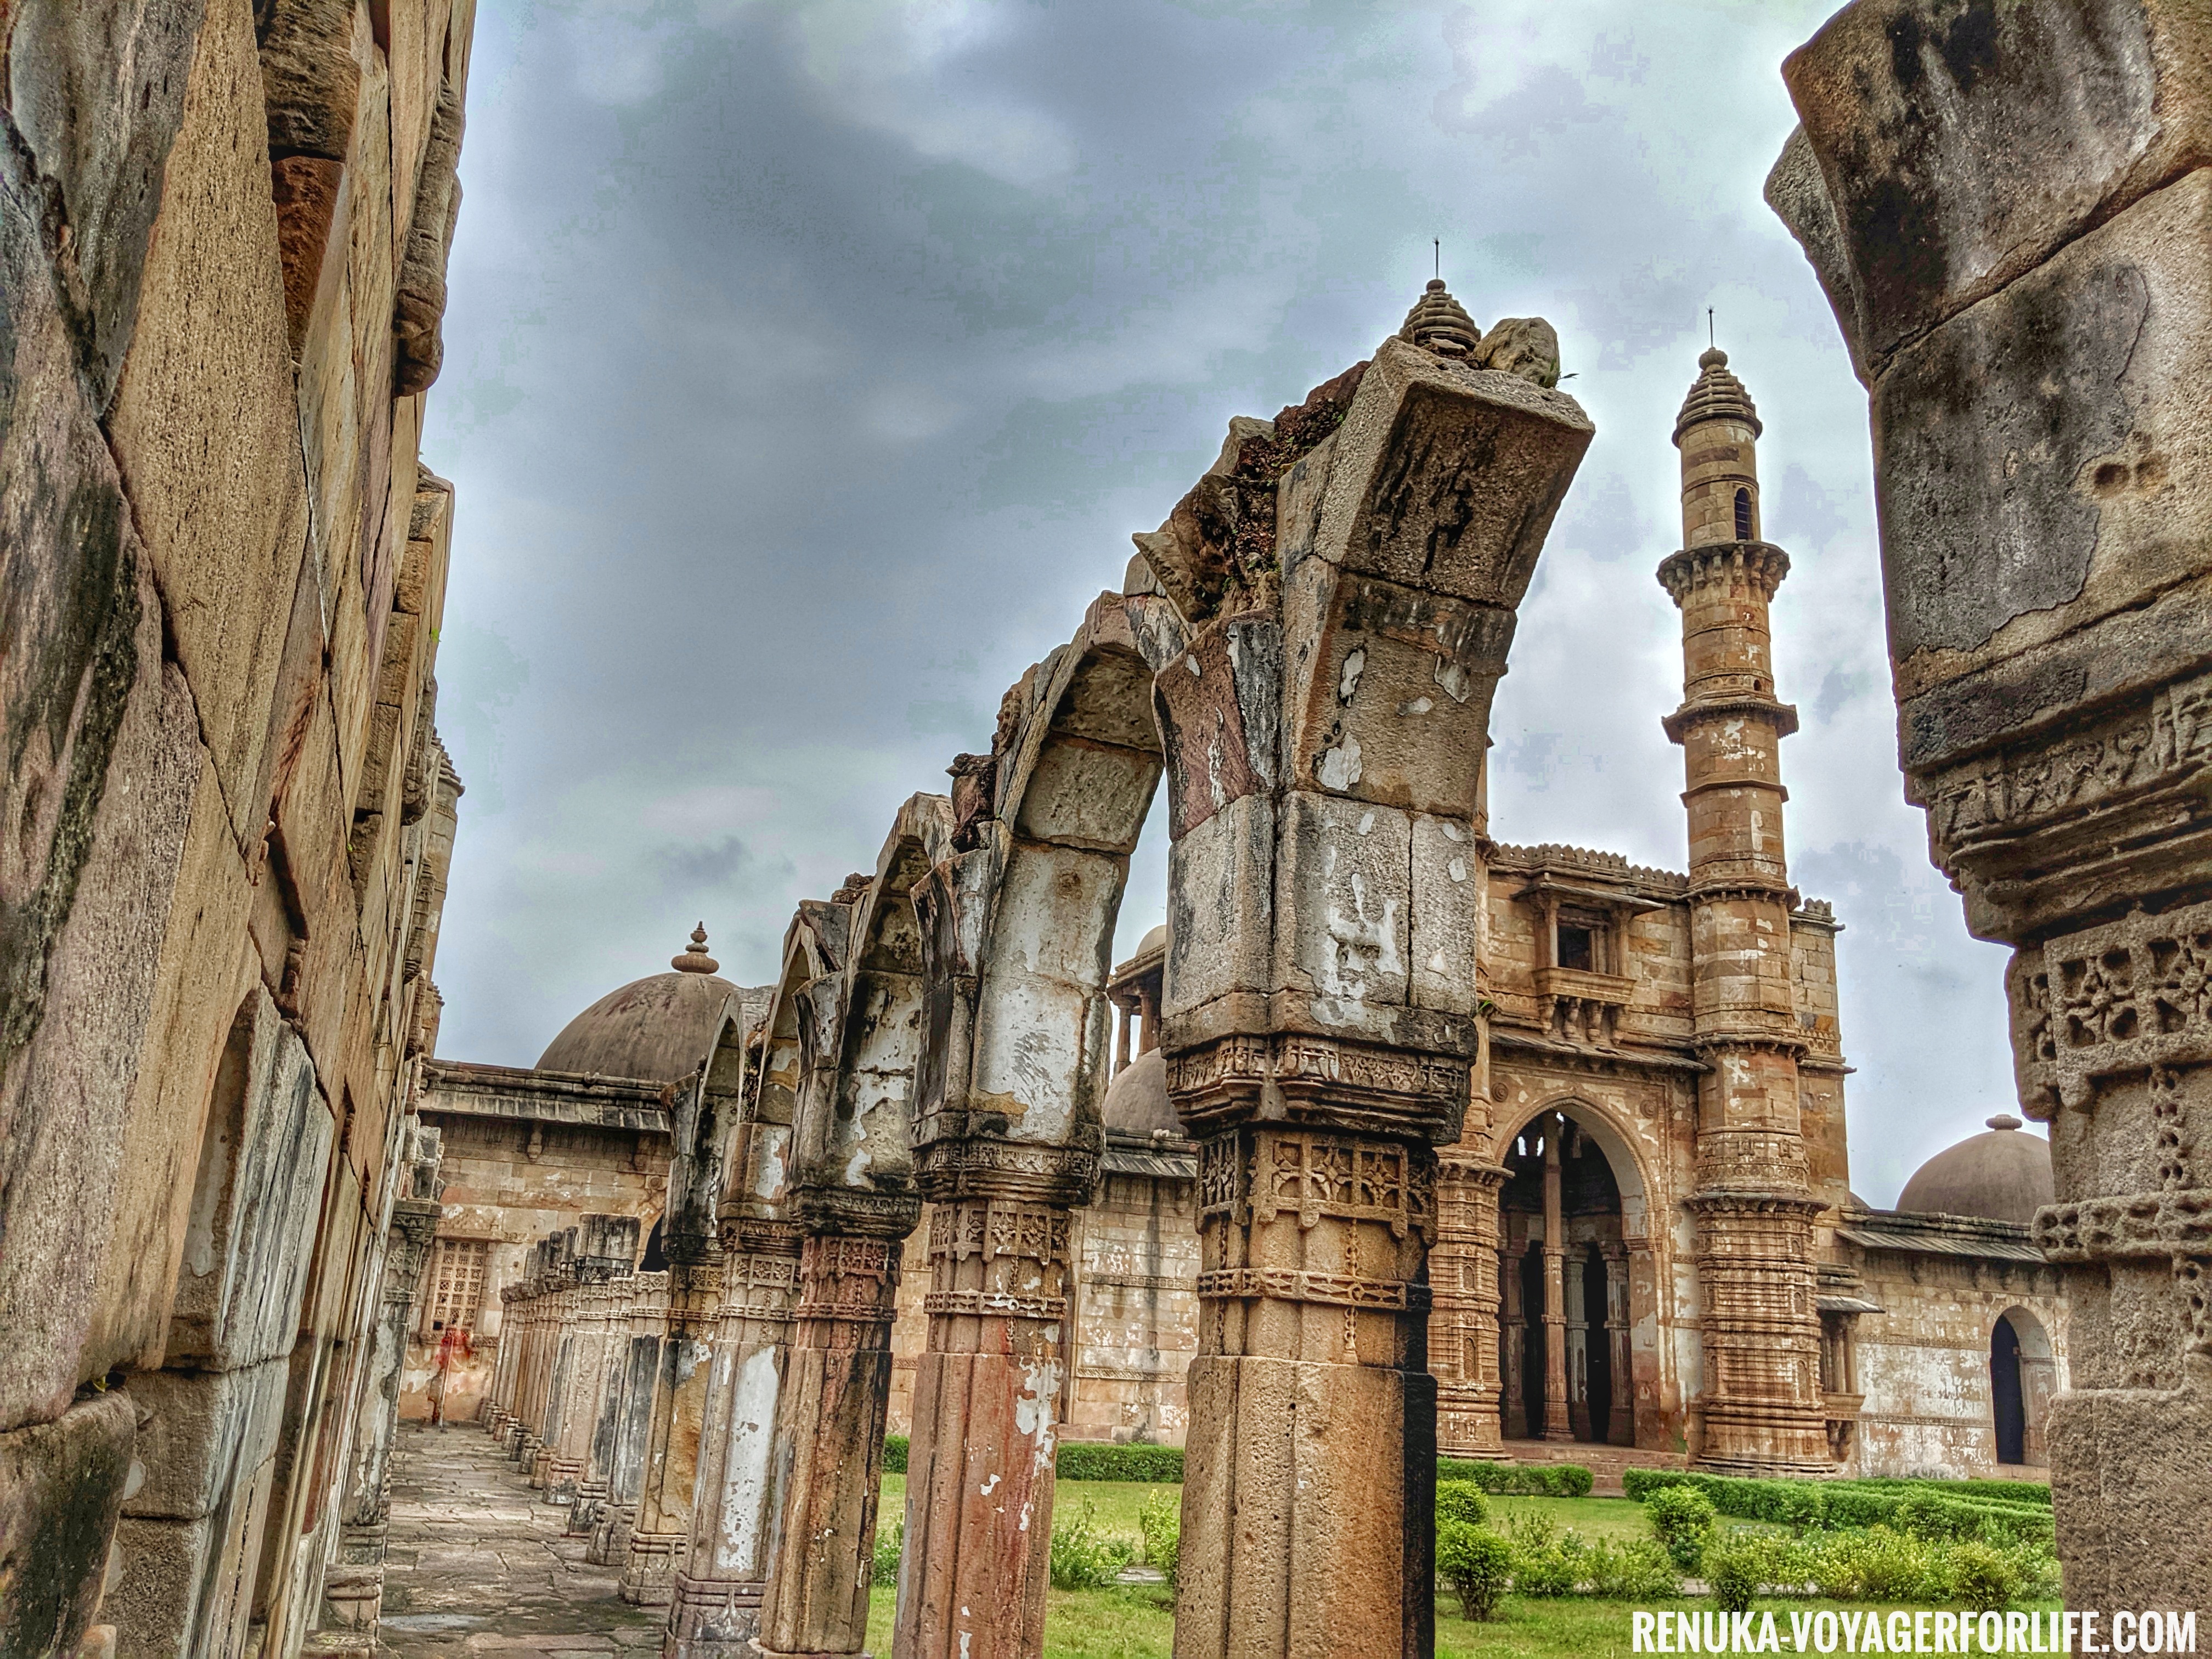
[(1083, 1558), (1461, 1501), (1478, 1565), (1160, 1521), (1683, 1520), (891, 1545)]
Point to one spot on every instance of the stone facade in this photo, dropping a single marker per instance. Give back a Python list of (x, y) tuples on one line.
[(2010, 218), (528, 1153), (222, 248)]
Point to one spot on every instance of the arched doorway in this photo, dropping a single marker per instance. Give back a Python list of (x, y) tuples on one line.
[(2023, 1375), (1564, 1313)]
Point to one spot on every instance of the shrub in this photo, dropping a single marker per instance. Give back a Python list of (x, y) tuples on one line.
[(1929, 1508), (895, 1446), (889, 1546), (1546, 1561), (1083, 1558), (1684, 1521), (1732, 1571), (1160, 1521), (1982, 1578), (1518, 1479), (1461, 1500), (1477, 1565), (1631, 1570)]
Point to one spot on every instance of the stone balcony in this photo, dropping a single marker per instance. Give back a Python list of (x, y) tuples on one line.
[(1583, 1006)]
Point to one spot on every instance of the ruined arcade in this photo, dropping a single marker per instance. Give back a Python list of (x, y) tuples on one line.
[(1395, 1140)]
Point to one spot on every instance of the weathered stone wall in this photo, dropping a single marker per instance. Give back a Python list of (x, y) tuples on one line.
[(221, 247), (1923, 1364)]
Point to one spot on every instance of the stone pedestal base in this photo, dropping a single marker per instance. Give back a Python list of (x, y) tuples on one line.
[(610, 1545), (525, 1449), (1467, 1423), (712, 1619), (353, 1598), (541, 1463), (2128, 1468), (649, 1570), (590, 1503), (563, 1475)]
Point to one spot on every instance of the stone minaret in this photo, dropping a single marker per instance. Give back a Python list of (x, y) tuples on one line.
[(1754, 1208)]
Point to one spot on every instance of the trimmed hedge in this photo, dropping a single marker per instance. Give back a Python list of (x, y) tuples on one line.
[(1093, 1460), (1925, 1508), (1519, 1479)]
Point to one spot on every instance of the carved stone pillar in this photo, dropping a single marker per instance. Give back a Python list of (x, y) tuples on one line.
[(353, 1585), (595, 1483), (1620, 1425), (571, 1453), (1464, 1276), (1578, 1328), (716, 1608), (1513, 1344), (987, 1399), (662, 1531), (645, 1335), (1558, 1424), (830, 1431)]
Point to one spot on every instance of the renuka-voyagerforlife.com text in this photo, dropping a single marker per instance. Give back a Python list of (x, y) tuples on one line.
[(1917, 1630)]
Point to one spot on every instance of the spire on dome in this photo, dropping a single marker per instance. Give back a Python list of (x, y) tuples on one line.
[(695, 960), (1437, 323), (1717, 395)]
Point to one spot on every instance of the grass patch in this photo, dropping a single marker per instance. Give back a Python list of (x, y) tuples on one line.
[(1131, 1621), (1114, 1503)]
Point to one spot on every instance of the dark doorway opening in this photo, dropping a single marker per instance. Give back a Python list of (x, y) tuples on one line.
[(2004, 1392), (1532, 1340), (1600, 1349)]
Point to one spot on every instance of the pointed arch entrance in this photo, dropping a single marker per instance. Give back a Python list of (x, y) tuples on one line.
[(1570, 1210)]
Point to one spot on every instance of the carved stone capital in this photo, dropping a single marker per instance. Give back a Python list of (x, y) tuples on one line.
[(849, 1212), (2059, 825), (1758, 567), (1297, 1079), (951, 1171)]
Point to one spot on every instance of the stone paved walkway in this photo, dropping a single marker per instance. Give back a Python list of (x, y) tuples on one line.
[(476, 1565)]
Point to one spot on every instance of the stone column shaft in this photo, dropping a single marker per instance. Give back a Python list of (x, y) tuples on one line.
[(661, 1534), (1557, 1422), (1464, 1275), (986, 1409), (830, 1439), (716, 1611)]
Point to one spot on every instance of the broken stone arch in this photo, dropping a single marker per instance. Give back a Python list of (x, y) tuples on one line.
[(1305, 652)]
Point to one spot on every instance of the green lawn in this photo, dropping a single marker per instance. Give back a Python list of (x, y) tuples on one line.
[(1115, 1502)]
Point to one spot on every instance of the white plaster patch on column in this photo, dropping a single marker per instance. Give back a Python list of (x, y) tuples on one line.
[(745, 1474), (1340, 767), (989, 1486), (1033, 1408), (1453, 678), (1347, 685), (1418, 706), (774, 1140)]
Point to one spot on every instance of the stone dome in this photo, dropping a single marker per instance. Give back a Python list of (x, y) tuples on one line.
[(1157, 940), (657, 1029), (2004, 1175), (1137, 1100)]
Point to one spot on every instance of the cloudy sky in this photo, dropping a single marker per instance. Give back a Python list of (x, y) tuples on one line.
[(808, 366)]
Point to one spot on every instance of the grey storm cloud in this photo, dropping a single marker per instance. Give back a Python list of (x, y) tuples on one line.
[(808, 366)]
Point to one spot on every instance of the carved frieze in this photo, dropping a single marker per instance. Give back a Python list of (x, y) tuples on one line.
[(1263, 1174), (950, 1170), (1332, 1290), (2129, 996)]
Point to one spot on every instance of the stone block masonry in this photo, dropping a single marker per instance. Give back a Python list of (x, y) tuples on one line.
[(223, 245)]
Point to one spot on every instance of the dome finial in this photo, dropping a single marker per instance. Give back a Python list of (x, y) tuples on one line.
[(1437, 323), (2002, 1121), (695, 959)]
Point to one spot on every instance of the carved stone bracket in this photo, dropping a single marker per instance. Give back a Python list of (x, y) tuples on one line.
[(1331, 1290)]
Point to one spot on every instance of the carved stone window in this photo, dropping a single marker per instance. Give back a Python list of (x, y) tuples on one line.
[(1578, 947), (457, 1283)]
